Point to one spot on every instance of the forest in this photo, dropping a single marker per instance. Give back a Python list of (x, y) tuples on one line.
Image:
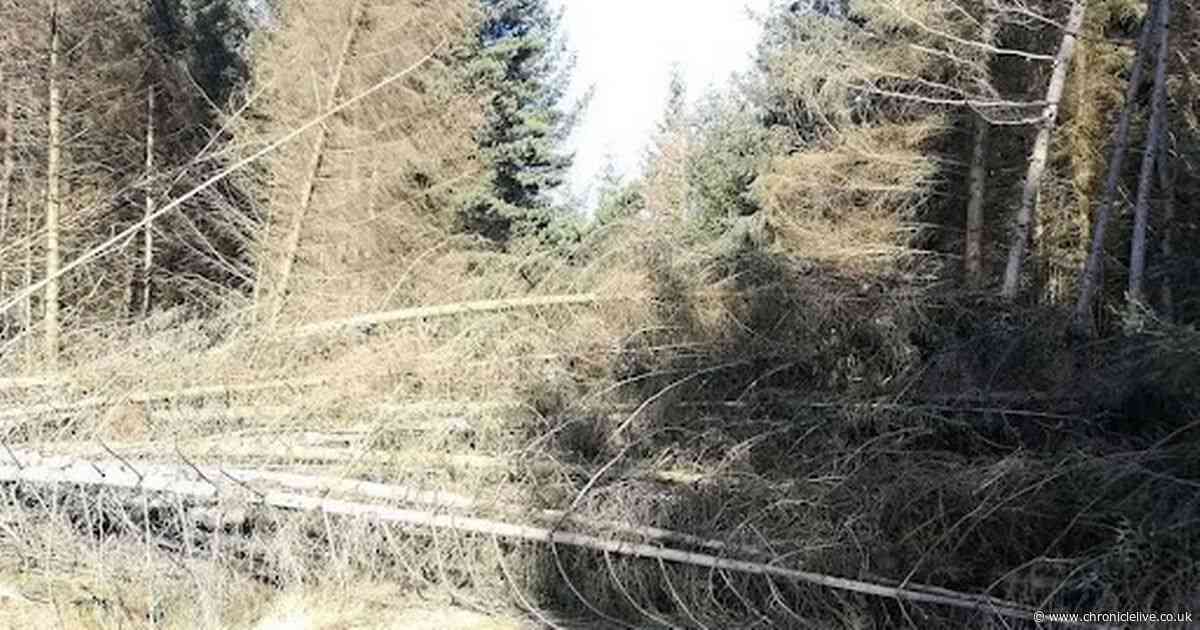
[(897, 329)]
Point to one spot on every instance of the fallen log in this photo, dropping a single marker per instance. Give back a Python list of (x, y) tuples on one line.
[(159, 478), (260, 481), (439, 311)]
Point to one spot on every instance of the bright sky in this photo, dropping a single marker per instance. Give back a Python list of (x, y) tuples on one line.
[(626, 49)]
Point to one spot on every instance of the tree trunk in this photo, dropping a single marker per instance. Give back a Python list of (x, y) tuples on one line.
[(1041, 150), (1167, 183), (148, 242), (308, 187), (977, 181), (1141, 208), (53, 208), (1089, 283), (8, 169), (27, 306), (977, 189)]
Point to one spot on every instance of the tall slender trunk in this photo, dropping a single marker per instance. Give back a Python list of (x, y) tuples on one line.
[(1167, 183), (1093, 268), (977, 191), (53, 201), (1141, 208), (1041, 151), (308, 187), (977, 181), (148, 241), (27, 307), (9, 167)]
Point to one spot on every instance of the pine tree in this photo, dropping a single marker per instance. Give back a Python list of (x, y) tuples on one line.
[(667, 193), (521, 58), (208, 37), (617, 199)]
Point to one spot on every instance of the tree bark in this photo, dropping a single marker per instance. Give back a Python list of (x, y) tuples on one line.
[(1041, 150), (977, 183), (9, 167), (53, 208), (977, 190), (27, 303), (1167, 183), (148, 240), (1089, 282), (1141, 208), (292, 245)]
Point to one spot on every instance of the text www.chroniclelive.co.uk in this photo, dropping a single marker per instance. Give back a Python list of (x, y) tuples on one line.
[(1113, 617)]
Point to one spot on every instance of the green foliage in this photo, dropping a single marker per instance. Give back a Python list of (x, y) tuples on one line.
[(730, 145), (617, 199), (520, 57), (211, 36)]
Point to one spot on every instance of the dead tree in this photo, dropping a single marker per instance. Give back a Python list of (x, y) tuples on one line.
[(308, 187), (1141, 208), (1167, 183), (53, 192), (1089, 282), (148, 235), (977, 183), (1023, 225), (9, 167)]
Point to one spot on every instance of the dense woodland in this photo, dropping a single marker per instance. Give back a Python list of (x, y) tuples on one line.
[(896, 329)]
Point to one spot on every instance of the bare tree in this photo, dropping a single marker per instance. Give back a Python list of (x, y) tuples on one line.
[(9, 165), (308, 186), (1141, 209), (148, 235), (53, 191), (977, 183), (27, 282), (1089, 283), (1023, 225), (1167, 183)]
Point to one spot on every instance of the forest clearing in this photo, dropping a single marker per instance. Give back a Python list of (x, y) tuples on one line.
[(301, 327)]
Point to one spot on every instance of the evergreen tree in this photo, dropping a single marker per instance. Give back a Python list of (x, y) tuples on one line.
[(667, 193), (209, 37), (522, 60), (617, 199)]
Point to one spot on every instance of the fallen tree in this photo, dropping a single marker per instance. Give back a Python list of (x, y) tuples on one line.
[(215, 485)]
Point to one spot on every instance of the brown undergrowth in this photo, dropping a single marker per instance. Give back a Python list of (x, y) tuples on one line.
[(752, 403)]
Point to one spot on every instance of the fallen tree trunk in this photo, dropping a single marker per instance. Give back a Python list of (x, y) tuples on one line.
[(168, 479), (263, 480), (1026, 214), (441, 310)]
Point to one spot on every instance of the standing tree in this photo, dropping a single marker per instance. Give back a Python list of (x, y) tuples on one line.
[(666, 187), (977, 179), (1089, 283), (520, 57), (8, 166), (1152, 155), (350, 201), (354, 23), (53, 192)]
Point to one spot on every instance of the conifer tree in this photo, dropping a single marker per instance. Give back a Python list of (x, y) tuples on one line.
[(521, 58)]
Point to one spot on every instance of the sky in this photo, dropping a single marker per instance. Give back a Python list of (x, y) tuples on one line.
[(625, 50)]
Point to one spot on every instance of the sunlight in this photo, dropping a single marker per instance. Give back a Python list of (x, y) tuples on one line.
[(629, 60)]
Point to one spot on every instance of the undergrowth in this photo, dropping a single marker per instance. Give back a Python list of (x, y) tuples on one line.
[(786, 410)]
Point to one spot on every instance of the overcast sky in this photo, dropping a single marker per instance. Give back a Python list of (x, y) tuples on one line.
[(626, 49)]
